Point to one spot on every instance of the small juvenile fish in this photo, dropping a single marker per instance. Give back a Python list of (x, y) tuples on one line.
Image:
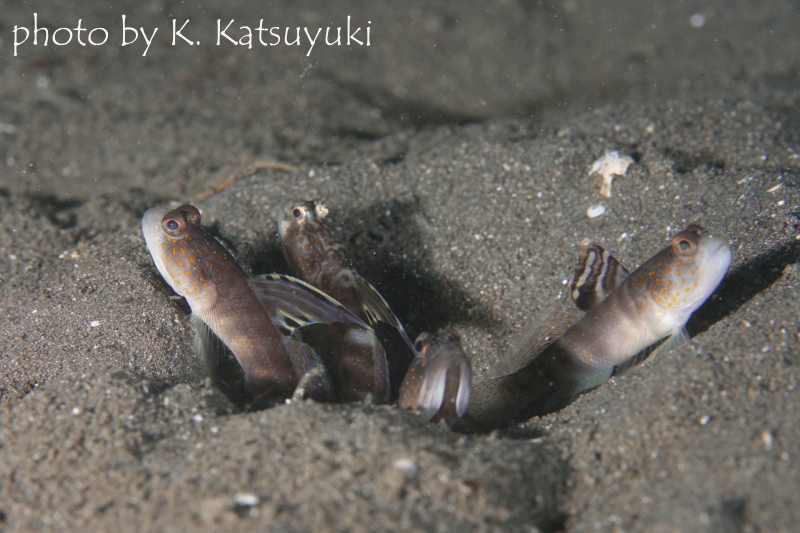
[(251, 318), (316, 255), (566, 352), (438, 381)]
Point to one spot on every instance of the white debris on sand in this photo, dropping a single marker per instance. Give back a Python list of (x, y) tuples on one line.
[(406, 466), (608, 166), (595, 211), (245, 499), (697, 21)]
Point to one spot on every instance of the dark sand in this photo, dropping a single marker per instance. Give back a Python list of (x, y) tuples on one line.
[(454, 153)]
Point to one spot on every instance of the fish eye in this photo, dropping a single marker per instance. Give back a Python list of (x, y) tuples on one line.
[(418, 346), (297, 212), (173, 224), (684, 242)]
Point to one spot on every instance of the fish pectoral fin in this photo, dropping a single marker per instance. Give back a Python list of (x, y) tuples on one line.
[(569, 391), (431, 395), (563, 395), (377, 309), (597, 274), (464, 389), (678, 337), (221, 363), (207, 344), (292, 304), (654, 351), (304, 359), (548, 326), (423, 388)]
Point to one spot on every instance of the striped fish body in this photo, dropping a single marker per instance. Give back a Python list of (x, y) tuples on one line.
[(315, 254), (439, 380), (625, 315), (243, 326)]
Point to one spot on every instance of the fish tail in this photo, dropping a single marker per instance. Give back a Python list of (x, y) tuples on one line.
[(492, 404)]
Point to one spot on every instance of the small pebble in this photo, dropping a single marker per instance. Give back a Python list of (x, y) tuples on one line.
[(766, 438), (697, 21)]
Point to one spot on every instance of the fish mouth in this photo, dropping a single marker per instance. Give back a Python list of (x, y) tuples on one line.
[(718, 258), (151, 226), (714, 260), (154, 235), (285, 218)]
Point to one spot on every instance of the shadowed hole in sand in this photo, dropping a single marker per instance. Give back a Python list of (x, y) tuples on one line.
[(684, 162), (56, 210), (386, 244), (404, 110), (732, 517)]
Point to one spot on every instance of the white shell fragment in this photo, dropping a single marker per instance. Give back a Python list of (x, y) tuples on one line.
[(406, 466), (245, 499), (595, 211), (608, 166)]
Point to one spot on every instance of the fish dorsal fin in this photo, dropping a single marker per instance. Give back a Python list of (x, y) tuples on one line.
[(304, 359), (292, 304), (549, 325), (596, 275), (376, 308)]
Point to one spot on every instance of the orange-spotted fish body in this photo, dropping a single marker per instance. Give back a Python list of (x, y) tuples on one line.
[(252, 318), (201, 270), (438, 381), (567, 353), (316, 255)]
